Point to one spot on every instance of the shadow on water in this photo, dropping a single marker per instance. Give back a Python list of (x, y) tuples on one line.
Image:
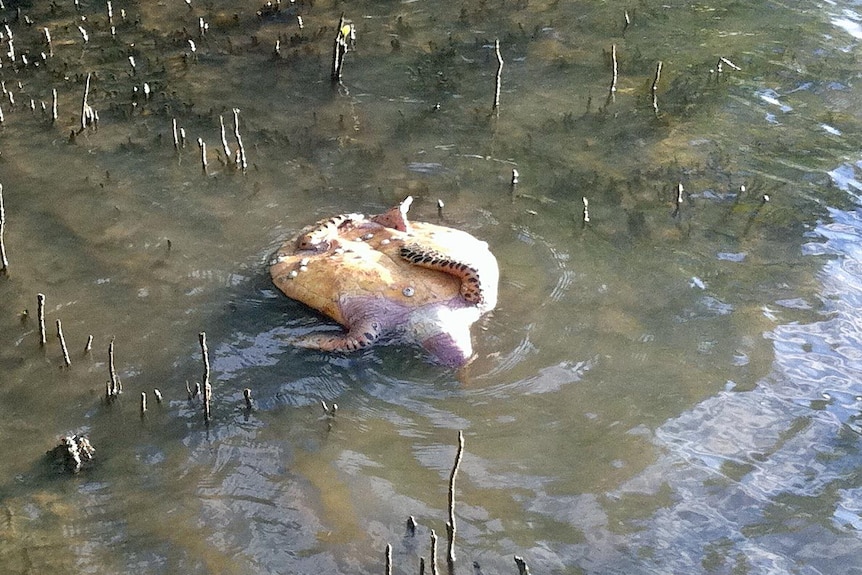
[(624, 414)]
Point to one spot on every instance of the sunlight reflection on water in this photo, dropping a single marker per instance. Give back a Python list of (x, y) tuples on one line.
[(793, 438)]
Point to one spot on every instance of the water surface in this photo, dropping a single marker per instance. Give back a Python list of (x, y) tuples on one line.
[(669, 388)]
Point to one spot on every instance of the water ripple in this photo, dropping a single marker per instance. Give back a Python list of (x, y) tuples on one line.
[(258, 508), (795, 437), (547, 380), (563, 283)]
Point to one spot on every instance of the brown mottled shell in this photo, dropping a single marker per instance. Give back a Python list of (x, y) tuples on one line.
[(365, 260)]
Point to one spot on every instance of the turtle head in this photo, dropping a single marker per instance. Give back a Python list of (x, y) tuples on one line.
[(396, 217), (452, 349), (444, 332)]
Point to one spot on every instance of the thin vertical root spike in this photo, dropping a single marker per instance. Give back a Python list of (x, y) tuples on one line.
[(203, 147), (116, 386), (499, 75), (224, 144), (339, 49), (388, 559), (434, 553), (207, 388), (175, 134), (4, 261), (450, 526), (240, 155), (66, 360), (86, 111), (40, 311), (654, 89), (612, 91)]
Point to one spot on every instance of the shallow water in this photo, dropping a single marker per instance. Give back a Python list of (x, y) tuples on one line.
[(670, 388)]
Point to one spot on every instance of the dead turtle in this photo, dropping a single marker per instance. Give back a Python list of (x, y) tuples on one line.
[(387, 277)]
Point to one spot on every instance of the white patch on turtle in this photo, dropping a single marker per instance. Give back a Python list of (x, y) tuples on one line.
[(292, 274), (408, 291), (303, 268)]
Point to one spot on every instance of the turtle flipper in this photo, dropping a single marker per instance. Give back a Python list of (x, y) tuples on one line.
[(471, 285), (360, 335), (396, 217), (320, 235)]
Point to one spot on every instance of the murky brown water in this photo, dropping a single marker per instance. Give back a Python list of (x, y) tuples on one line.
[(668, 389)]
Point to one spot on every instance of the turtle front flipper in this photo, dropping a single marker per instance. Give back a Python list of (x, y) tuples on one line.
[(471, 285), (360, 335)]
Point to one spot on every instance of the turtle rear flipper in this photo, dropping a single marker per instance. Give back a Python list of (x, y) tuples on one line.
[(396, 217), (471, 284)]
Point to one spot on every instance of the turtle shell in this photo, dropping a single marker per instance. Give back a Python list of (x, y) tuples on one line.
[(365, 261), (421, 282)]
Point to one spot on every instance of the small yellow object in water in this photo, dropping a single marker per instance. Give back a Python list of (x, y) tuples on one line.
[(345, 30)]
